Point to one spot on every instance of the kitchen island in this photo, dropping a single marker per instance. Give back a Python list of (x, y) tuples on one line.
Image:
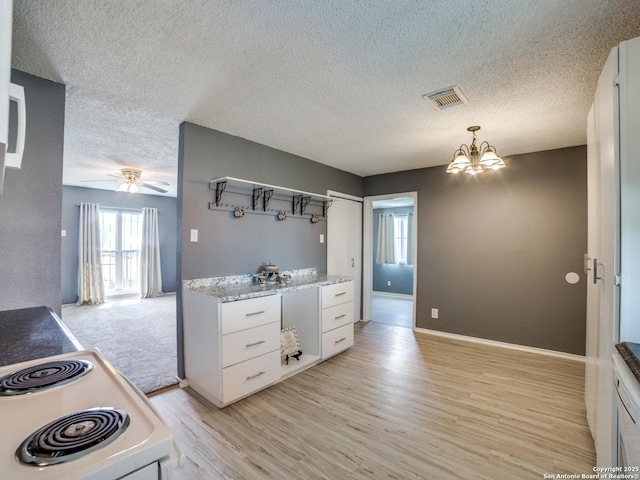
[(31, 333), (232, 329)]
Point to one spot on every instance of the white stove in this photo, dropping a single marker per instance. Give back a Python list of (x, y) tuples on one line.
[(73, 416)]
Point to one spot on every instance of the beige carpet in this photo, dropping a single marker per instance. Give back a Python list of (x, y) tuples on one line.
[(138, 337)]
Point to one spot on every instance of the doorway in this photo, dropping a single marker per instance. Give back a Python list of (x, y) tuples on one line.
[(389, 279)]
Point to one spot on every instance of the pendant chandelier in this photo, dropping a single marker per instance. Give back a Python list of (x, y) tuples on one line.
[(472, 160)]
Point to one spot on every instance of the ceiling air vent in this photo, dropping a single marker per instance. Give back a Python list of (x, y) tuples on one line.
[(446, 98)]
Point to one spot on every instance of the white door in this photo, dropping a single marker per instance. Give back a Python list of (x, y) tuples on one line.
[(344, 243), (593, 289)]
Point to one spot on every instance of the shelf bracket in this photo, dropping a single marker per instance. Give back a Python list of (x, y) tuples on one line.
[(220, 187), (297, 200), (303, 206), (325, 207), (265, 199), (256, 195)]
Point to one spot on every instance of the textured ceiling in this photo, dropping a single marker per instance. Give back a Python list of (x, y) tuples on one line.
[(339, 82)]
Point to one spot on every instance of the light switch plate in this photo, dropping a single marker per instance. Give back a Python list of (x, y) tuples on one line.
[(322, 238), (434, 313), (64, 233), (194, 235)]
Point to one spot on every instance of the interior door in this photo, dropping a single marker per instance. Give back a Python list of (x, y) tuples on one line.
[(593, 289), (344, 244)]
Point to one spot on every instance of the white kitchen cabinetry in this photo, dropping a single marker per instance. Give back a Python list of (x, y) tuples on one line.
[(231, 349), (231, 330), (614, 236), (337, 318)]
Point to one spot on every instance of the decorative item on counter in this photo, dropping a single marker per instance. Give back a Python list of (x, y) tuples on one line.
[(282, 215), (315, 218), (290, 344), (238, 212), (284, 279), (260, 280), (271, 272)]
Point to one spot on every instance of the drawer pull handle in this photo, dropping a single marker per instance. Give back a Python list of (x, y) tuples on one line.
[(255, 343), (340, 294), (341, 316), (341, 340), (259, 312), (251, 377)]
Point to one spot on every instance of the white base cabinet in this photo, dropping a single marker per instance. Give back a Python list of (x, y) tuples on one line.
[(232, 349), (337, 318)]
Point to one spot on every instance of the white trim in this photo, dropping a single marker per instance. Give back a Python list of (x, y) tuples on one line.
[(403, 296), (367, 251), (495, 343), (345, 196)]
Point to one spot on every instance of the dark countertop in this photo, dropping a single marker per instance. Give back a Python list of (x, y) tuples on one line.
[(30, 333), (630, 352)]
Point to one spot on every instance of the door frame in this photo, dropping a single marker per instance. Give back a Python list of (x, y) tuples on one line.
[(367, 251)]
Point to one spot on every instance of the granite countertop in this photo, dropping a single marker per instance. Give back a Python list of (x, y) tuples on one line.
[(242, 287), (30, 333), (630, 352)]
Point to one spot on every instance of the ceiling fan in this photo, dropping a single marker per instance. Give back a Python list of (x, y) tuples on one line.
[(131, 183)]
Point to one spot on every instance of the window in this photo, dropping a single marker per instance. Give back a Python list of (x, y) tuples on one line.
[(120, 234), (400, 237)]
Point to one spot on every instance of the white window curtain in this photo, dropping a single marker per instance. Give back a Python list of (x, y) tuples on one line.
[(386, 239), (410, 239), (90, 287), (150, 271)]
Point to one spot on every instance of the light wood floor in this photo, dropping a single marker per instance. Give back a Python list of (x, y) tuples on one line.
[(392, 310), (396, 405)]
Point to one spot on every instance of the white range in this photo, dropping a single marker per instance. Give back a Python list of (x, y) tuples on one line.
[(73, 416)]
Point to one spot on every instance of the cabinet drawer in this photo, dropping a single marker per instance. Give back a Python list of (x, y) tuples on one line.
[(240, 346), (250, 313), (337, 316), (247, 377), (336, 340), (336, 294)]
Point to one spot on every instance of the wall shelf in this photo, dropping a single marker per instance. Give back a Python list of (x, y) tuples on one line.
[(261, 191)]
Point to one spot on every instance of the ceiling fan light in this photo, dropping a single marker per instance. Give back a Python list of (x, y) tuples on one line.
[(133, 188), (122, 188)]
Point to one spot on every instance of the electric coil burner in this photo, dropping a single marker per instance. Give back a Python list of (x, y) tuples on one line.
[(80, 419), (43, 376), (73, 436)]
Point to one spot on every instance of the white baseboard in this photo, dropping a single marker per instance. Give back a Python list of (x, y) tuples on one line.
[(392, 295), (495, 343)]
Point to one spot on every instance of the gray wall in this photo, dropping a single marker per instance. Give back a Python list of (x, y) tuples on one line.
[(167, 221), (493, 250), (31, 202), (400, 275), (229, 246)]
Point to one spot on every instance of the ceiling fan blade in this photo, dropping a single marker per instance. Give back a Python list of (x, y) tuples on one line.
[(157, 182), (153, 187), (120, 177)]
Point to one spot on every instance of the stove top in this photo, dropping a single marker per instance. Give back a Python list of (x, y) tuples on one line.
[(92, 425), (42, 376)]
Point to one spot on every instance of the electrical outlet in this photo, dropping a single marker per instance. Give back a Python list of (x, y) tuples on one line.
[(64, 233), (322, 238), (388, 283), (434, 313)]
